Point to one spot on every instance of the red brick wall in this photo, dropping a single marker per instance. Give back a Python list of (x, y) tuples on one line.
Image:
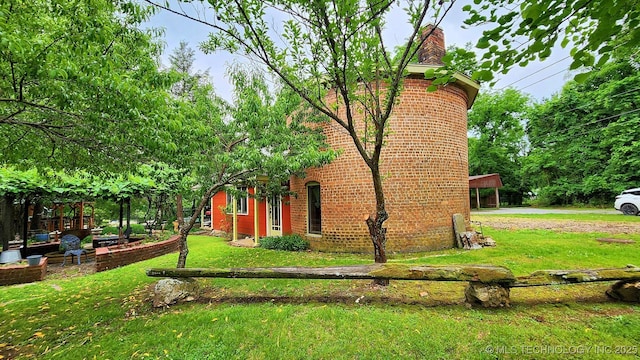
[(20, 274), (113, 256), (425, 162)]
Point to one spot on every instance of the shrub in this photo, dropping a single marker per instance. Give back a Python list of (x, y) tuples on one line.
[(135, 229), (287, 243), (138, 229)]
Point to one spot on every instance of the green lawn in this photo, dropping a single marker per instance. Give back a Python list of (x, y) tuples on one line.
[(108, 315), (574, 217)]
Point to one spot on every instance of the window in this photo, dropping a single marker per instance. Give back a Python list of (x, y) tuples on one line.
[(314, 208), (242, 202)]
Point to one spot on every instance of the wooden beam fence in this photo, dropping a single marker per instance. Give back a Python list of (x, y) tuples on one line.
[(485, 281)]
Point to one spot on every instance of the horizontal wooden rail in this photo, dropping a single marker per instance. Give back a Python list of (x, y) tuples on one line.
[(474, 273), (560, 277), (488, 285)]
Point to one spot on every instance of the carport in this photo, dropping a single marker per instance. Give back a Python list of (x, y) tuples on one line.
[(488, 181)]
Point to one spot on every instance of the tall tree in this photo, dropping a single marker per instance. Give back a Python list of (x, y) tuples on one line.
[(231, 144), (79, 84), (498, 145), (181, 61), (316, 45), (585, 140)]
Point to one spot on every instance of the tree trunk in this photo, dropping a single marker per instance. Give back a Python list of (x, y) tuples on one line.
[(6, 220), (183, 247), (375, 223), (186, 228), (37, 215)]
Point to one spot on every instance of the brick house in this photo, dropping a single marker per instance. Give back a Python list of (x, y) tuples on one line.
[(426, 159)]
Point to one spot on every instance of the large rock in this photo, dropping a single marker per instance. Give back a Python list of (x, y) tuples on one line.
[(171, 291), (625, 291), (487, 295)]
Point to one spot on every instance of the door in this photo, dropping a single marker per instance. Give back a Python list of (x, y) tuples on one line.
[(274, 215)]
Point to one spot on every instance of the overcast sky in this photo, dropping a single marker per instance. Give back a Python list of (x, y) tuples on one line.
[(540, 80)]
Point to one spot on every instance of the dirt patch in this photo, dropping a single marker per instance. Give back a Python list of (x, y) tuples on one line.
[(606, 227), (618, 241), (57, 271)]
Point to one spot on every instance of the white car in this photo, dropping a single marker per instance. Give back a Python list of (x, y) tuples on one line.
[(628, 202)]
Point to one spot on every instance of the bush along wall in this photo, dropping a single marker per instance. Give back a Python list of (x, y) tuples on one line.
[(286, 242)]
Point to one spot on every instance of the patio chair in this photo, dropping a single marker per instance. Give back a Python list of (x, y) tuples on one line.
[(70, 244)]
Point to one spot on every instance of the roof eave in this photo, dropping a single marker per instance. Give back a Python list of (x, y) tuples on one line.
[(469, 86)]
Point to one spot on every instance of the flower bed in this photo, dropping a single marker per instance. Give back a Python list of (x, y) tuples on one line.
[(23, 273), (119, 255)]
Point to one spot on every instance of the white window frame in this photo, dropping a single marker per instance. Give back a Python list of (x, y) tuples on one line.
[(242, 203)]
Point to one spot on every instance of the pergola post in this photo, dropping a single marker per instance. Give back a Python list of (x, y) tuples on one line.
[(497, 199), (234, 206), (81, 225), (478, 198), (61, 223), (256, 223)]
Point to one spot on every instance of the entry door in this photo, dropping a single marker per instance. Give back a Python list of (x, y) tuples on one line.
[(274, 216)]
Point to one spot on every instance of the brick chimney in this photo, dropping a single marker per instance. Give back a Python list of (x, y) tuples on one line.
[(432, 49)]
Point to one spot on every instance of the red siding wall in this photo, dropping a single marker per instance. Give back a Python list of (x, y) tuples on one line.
[(222, 221), (286, 216)]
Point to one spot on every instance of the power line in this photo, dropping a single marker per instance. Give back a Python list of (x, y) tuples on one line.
[(543, 79), (565, 131), (588, 104), (535, 72)]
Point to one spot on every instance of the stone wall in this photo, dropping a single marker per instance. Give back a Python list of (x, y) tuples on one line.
[(115, 256), (20, 274)]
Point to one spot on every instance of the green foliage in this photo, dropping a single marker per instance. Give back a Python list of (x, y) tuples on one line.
[(265, 132), (153, 178), (497, 143), (182, 59), (80, 87), (584, 142), (87, 239), (137, 229), (520, 32), (462, 60), (110, 230), (286, 242)]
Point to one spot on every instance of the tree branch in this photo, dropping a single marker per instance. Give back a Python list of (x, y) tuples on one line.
[(41, 106)]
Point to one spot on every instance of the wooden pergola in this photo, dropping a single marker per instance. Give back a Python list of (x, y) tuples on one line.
[(488, 181)]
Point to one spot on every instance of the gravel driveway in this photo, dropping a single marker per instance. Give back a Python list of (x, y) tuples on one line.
[(493, 219)]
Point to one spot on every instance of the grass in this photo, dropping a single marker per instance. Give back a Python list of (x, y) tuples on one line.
[(572, 217), (108, 316)]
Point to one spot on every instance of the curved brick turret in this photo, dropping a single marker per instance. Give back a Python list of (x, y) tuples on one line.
[(425, 163)]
